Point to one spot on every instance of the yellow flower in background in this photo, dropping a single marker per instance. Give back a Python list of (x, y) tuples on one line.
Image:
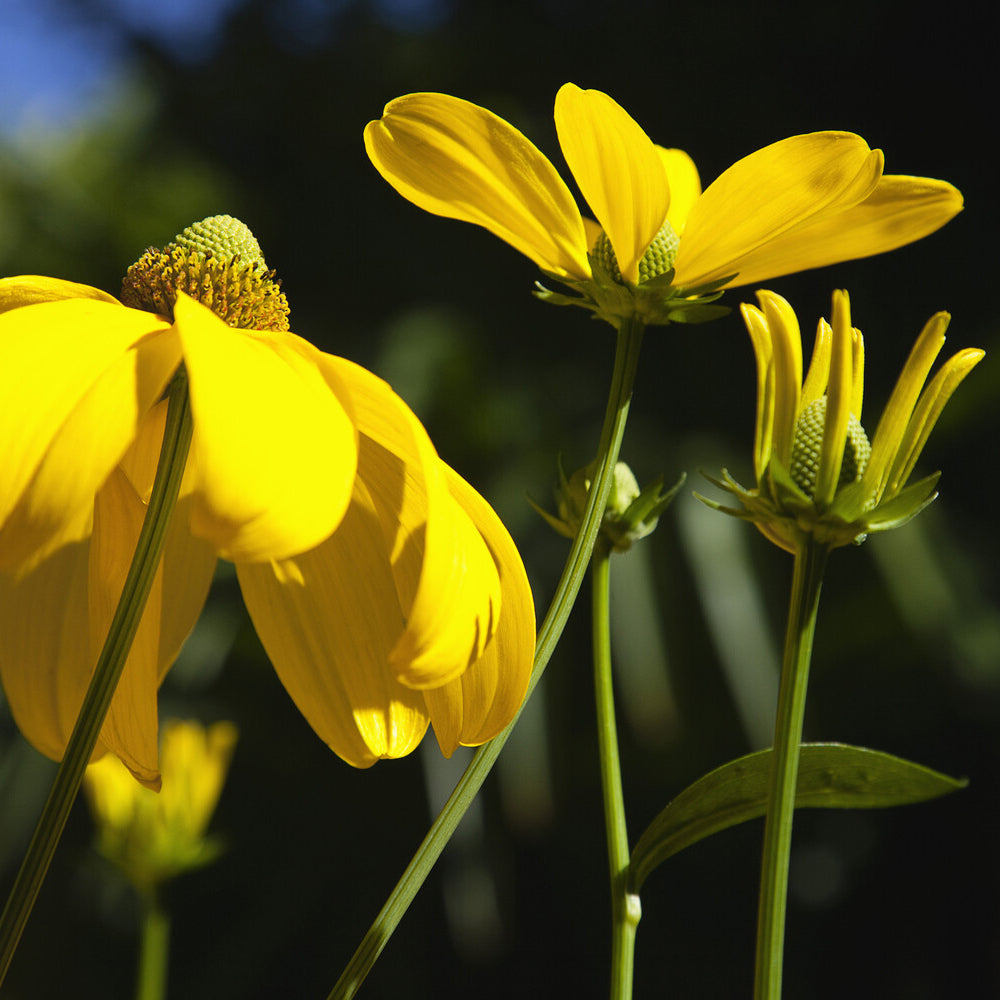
[(817, 474), (154, 836), (385, 590), (800, 203)]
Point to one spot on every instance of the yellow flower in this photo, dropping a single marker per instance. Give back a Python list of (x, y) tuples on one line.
[(385, 590), (816, 472), (800, 203), (154, 836)]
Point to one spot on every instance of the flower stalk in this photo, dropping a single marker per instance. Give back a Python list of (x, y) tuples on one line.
[(628, 344), (151, 978), (169, 472), (807, 579), (625, 906)]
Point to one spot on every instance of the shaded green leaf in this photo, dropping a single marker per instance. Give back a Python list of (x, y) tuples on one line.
[(831, 776)]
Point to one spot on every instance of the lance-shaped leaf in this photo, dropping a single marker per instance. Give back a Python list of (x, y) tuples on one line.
[(831, 776)]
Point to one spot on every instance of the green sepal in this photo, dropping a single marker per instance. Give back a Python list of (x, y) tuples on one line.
[(831, 776), (656, 301), (905, 505)]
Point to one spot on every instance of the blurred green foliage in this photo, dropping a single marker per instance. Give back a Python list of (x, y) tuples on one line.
[(265, 123)]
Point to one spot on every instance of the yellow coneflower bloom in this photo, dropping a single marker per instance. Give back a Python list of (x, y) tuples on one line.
[(152, 837), (386, 592), (817, 474), (800, 203)]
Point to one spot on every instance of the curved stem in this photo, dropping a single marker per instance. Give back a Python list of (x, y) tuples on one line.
[(169, 471), (154, 953), (626, 361), (807, 580), (625, 907)]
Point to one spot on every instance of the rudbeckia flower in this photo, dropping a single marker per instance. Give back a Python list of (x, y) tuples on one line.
[(384, 589), (153, 837), (803, 202), (817, 474)]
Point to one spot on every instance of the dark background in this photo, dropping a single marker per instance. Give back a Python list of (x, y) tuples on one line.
[(258, 110)]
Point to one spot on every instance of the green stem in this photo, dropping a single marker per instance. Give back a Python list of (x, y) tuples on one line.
[(625, 907), (626, 361), (154, 952), (173, 454), (807, 580)]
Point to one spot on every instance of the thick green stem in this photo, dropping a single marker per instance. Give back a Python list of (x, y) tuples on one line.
[(807, 580), (625, 907), (169, 471), (616, 415), (154, 950)]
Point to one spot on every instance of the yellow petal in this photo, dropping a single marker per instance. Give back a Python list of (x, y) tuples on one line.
[(896, 416), (45, 663), (456, 159), (444, 574), (328, 619), (484, 700), (617, 168), (30, 289), (175, 601), (685, 185), (786, 347), (768, 194), (77, 378), (273, 446), (932, 402), (900, 210), (760, 339), (839, 392)]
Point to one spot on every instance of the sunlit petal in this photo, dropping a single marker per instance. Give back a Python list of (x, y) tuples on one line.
[(445, 577), (900, 210), (475, 707), (328, 619), (768, 194), (456, 159), (30, 289), (273, 447), (760, 339), (77, 378), (617, 168), (685, 185)]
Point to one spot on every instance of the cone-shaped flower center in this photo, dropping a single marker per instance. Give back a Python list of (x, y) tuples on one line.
[(808, 443), (218, 262), (658, 258)]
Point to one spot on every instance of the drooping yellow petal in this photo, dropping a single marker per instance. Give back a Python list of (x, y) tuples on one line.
[(30, 289), (476, 706), (328, 619), (617, 168), (685, 185), (900, 210), (444, 574), (458, 160), (77, 378), (772, 192), (273, 446), (45, 660), (174, 605)]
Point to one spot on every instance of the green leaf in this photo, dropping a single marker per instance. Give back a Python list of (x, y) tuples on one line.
[(831, 776)]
